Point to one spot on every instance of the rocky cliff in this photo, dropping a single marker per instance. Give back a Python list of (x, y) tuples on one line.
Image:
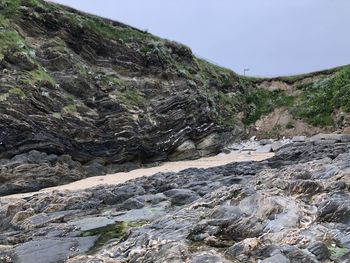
[(81, 95), (85, 93)]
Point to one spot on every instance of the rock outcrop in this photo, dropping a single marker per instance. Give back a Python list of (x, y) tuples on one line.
[(101, 96), (294, 207)]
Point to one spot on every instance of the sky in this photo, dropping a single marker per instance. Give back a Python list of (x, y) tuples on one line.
[(269, 37)]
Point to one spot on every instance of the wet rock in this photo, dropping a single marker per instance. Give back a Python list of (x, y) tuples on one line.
[(90, 223), (52, 250), (273, 211), (146, 213)]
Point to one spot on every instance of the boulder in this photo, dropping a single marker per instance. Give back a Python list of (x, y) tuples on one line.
[(53, 250), (276, 146), (211, 144), (264, 149), (299, 139), (331, 137), (187, 150)]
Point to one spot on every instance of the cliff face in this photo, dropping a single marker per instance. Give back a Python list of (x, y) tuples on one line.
[(81, 95), (99, 93)]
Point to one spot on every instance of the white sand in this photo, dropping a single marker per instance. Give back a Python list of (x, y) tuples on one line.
[(118, 178)]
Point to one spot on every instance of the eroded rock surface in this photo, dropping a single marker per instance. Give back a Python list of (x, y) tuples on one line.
[(284, 209), (103, 95)]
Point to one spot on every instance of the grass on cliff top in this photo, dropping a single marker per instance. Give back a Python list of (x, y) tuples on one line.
[(110, 31), (319, 100), (222, 76), (315, 104)]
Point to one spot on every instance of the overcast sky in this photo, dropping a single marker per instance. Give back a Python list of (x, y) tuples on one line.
[(271, 37)]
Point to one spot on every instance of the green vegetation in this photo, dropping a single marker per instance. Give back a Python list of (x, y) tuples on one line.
[(3, 97), (275, 132), (69, 108), (110, 81), (219, 75), (320, 99), (39, 77), (296, 78), (264, 102), (290, 125), (338, 252), (130, 96), (315, 104), (18, 91), (11, 7), (34, 3), (108, 233), (57, 115), (10, 40), (110, 31)]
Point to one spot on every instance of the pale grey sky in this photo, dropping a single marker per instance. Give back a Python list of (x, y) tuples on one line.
[(271, 37)]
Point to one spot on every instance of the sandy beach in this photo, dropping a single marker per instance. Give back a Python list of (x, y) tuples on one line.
[(118, 178)]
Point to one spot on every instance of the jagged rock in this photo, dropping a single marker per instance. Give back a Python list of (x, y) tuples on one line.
[(109, 103), (278, 210), (320, 250)]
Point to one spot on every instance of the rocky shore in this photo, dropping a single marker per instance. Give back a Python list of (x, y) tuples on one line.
[(83, 96), (293, 207)]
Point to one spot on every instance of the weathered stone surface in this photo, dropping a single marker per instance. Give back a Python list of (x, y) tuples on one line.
[(102, 96), (52, 250), (299, 139), (90, 223), (264, 149), (277, 210), (187, 150), (331, 137), (276, 146)]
